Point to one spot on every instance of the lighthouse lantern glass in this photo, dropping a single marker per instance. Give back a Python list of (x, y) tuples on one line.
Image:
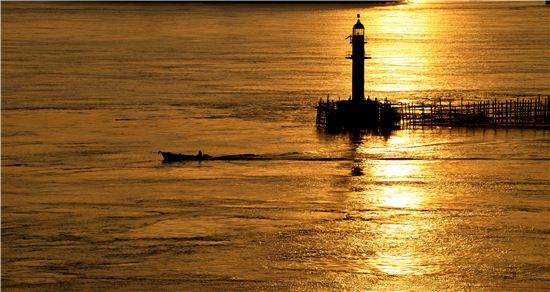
[(358, 31)]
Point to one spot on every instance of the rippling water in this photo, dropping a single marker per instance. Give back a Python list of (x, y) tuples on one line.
[(91, 92)]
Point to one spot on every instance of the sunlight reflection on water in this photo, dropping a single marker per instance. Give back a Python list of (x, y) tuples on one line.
[(396, 264), (400, 197), (391, 170), (91, 92)]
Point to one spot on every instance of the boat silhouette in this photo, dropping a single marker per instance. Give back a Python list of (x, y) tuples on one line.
[(172, 157)]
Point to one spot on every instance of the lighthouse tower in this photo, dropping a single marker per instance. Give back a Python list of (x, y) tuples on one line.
[(357, 113), (358, 61)]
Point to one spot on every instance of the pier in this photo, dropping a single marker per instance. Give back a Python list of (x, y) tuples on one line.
[(527, 113)]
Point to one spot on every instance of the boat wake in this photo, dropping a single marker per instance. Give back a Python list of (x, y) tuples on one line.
[(286, 156)]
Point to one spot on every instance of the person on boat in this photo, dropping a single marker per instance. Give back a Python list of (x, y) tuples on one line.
[(200, 154)]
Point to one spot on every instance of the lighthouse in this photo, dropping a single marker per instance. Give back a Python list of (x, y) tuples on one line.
[(357, 40), (357, 113)]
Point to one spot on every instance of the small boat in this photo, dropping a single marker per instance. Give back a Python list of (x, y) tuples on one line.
[(171, 157)]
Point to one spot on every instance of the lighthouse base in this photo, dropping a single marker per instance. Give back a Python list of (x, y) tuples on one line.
[(356, 115)]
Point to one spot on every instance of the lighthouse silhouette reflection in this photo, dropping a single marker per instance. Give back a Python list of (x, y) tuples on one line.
[(357, 113)]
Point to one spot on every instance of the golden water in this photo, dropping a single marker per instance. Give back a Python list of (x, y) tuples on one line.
[(91, 92)]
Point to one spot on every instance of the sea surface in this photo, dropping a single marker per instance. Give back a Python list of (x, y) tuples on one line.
[(91, 91)]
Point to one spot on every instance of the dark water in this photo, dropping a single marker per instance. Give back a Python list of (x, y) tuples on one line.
[(91, 92)]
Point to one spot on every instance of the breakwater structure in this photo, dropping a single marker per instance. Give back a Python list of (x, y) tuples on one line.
[(358, 113)]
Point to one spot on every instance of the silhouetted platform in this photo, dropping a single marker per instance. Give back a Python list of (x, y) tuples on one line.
[(357, 114)]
